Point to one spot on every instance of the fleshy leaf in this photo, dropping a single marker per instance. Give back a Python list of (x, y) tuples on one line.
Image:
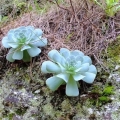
[(25, 47), (52, 67), (38, 32), (9, 55), (5, 42), (75, 53), (79, 58), (11, 31), (87, 59), (81, 54), (33, 51), (28, 27), (18, 55), (54, 82), (11, 36), (64, 52), (84, 67), (39, 42), (78, 66), (92, 69), (13, 45), (51, 53), (58, 58), (43, 67), (71, 58), (72, 88), (64, 76), (89, 77), (48, 68), (78, 77)]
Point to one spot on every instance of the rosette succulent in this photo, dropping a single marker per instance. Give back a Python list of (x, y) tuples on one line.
[(68, 67), (24, 43)]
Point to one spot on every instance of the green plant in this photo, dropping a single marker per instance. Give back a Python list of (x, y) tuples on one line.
[(112, 7), (108, 90), (3, 19), (68, 67), (24, 43), (104, 97), (101, 95), (42, 7)]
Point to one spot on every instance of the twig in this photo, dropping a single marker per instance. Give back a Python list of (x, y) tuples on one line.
[(62, 7), (51, 1), (1, 32), (72, 7), (31, 75)]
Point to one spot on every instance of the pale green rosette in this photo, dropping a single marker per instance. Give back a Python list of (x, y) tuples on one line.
[(68, 67), (24, 43)]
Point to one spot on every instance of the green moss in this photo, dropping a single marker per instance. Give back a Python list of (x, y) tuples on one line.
[(104, 99), (68, 37), (58, 114), (21, 111), (66, 106), (81, 111), (11, 116), (108, 90), (48, 109), (113, 54), (101, 95), (113, 51)]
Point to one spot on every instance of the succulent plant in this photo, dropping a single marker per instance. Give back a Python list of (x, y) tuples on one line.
[(68, 67), (24, 43)]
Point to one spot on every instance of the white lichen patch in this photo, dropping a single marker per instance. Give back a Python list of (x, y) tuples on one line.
[(66, 106), (48, 110)]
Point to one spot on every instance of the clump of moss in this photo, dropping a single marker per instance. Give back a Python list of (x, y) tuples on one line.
[(48, 109), (113, 54), (66, 106), (100, 96)]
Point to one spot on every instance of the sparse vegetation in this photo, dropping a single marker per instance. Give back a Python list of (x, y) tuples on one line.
[(101, 95)]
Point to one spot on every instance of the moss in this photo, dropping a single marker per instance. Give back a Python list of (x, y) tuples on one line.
[(58, 114), (48, 109), (108, 90), (104, 99), (66, 106), (113, 54), (21, 111), (101, 95), (11, 116), (31, 113), (81, 111)]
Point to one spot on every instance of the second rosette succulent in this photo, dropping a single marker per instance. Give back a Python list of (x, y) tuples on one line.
[(68, 67), (24, 43)]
